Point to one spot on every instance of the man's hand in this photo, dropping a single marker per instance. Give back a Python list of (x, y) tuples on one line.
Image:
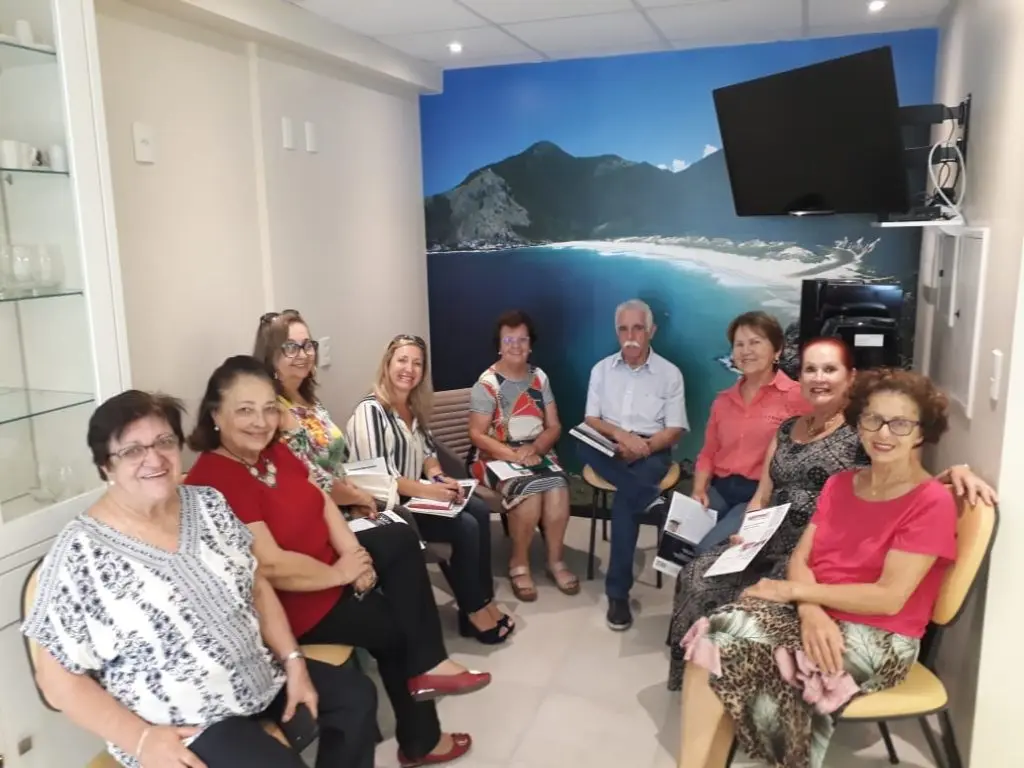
[(632, 447)]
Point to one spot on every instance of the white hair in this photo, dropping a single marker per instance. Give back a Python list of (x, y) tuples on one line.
[(636, 304)]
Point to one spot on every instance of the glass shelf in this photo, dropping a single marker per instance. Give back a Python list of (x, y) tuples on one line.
[(14, 54), (11, 297), (37, 171), (19, 404)]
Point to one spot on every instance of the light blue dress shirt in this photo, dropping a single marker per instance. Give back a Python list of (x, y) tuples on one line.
[(642, 401)]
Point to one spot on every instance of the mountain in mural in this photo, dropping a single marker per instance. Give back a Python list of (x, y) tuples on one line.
[(546, 195)]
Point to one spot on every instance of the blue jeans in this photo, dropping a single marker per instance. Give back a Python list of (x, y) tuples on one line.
[(469, 533), (636, 486), (729, 497)]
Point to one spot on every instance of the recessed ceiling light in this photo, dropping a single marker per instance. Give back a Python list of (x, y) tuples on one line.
[(456, 47), (877, 5)]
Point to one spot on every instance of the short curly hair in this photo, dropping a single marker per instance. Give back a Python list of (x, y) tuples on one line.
[(513, 318), (932, 403)]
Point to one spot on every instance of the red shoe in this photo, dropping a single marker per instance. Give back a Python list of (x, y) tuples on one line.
[(429, 687), (461, 742)]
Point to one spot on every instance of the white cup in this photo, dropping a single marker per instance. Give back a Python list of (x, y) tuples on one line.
[(10, 153), (29, 156), (23, 32), (58, 158)]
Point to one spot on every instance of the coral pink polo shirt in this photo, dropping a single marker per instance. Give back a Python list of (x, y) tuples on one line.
[(853, 536), (738, 434)]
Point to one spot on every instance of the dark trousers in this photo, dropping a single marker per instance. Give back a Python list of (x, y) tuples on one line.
[(636, 486), (729, 497), (347, 719), (398, 624), (469, 570)]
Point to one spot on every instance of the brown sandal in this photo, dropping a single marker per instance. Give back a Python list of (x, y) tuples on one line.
[(567, 586), (525, 592)]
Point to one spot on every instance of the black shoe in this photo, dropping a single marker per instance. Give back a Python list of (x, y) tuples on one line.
[(619, 617), (657, 505)]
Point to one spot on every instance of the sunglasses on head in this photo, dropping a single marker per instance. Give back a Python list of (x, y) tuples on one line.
[(269, 317), (404, 338)]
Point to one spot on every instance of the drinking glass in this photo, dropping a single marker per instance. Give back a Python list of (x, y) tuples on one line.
[(6, 270), (48, 268), (23, 269)]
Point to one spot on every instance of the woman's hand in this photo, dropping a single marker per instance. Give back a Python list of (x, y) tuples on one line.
[(526, 455), (772, 590), (451, 484), (701, 496), (822, 639), (162, 746), (351, 565), (366, 582), (966, 483), (299, 689), (440, 492)]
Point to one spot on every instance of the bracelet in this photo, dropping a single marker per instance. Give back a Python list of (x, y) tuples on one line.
[(142, 740), (296, 654)]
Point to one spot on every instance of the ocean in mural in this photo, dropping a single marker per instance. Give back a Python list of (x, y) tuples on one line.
[(568, 237)]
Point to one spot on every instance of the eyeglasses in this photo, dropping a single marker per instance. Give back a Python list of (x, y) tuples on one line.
[(900, 427), (269, 317), (513, 341), (166, 445), (292, 348), (404, 338)]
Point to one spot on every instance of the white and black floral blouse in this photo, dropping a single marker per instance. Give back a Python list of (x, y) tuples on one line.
[(174, 636)]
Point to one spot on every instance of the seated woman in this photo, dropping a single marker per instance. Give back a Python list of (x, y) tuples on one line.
[(514, 418), (806, 451), (743, 422), (325, 578), (391, 423), (284, 345), (858, 596), (166, 673)]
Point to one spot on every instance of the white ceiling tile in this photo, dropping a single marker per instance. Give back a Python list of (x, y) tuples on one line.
[(480, 43), (737, 38), (395, 17), (513, 11), (727, 17), (530, 57), (666, 3), (607, 31), (840, 13)]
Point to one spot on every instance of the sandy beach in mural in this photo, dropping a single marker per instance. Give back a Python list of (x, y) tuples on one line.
[(779, 266)]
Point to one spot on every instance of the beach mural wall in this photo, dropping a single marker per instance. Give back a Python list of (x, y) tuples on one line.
[(565, 188)]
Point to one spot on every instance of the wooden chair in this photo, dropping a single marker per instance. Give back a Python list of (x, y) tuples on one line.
[(922, 693), (599, 509), (329, 654)]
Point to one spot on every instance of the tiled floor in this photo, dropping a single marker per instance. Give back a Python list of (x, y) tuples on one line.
[(569, 692)]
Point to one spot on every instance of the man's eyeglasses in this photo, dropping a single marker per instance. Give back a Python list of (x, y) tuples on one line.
[(403, 338), (166, 445), (292, 348), (900, 427), (269, 317)]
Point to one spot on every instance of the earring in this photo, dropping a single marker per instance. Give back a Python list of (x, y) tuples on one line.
[(216, 428)]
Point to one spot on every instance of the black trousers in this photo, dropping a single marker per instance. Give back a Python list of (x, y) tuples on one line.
[(398, 624), (469, 570), (347, 719)]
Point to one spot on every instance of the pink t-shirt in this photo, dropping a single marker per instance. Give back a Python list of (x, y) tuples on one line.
[(853, 537), (738, 434)]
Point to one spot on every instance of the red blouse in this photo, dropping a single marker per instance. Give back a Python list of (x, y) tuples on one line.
[(293, 511), (853, 536), (738, 434)]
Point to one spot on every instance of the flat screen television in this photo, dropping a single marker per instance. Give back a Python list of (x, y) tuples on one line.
[(816, 140)]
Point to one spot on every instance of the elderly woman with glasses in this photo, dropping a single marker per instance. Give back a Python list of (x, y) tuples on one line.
[(158, 632), (514, 418), (392, 423)]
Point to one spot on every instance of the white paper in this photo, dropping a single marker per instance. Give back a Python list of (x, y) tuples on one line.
[(375, 466), (758, 527), (387, 517), (587, 434), (868, 340), (425, 506), (687, 521), (504, 470)]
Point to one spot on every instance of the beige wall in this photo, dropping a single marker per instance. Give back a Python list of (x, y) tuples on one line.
[(227, 224), (982, 53)]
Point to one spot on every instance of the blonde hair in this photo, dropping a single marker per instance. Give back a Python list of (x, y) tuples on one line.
[(421, 399)]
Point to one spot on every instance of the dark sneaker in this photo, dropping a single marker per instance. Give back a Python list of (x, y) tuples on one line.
[(619, 618), (657, 504)]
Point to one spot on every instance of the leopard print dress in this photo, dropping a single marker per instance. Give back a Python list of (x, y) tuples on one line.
[(798, 472), (774, 724)]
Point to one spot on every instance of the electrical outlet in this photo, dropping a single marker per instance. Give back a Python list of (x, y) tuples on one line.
[(325, 352)]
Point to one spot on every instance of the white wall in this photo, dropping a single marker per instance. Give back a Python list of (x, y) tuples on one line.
[(227, 224), (982, 53), (346, 223)]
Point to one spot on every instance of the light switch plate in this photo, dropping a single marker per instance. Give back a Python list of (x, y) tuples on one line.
[(143, 143), (324, 352), (311, 146), (287, 133)]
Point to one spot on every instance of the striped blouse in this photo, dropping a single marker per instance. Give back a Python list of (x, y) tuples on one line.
[(376, 431)]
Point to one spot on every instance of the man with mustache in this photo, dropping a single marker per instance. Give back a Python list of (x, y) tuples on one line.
[(635, 398)]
